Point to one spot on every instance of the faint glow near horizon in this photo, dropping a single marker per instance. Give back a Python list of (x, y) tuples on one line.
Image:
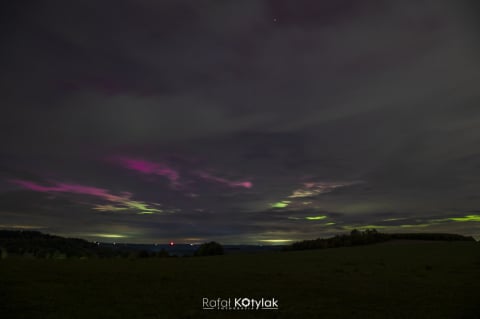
[(109, 235), (276, 241), (468, 218), (421, 224), (29, 227)]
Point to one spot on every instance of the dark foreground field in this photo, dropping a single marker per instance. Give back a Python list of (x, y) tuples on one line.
[(421, 280)]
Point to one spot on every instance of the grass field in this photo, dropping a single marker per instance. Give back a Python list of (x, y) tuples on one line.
[(421, 280)]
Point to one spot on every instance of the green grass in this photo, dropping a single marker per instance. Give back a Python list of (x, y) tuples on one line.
[(431, 280)]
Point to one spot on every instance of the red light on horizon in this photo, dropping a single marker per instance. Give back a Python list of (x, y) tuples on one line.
[(172, 243)]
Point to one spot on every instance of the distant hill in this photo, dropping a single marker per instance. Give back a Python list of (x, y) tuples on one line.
[(371, 236)]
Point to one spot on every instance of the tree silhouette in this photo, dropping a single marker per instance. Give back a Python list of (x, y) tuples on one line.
[(209, 249)]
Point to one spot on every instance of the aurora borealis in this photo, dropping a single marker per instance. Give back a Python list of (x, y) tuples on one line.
[(257, 122)]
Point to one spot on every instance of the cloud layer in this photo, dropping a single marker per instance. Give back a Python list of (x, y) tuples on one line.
[(245, 121)]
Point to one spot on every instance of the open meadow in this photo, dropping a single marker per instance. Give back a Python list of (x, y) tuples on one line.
[(394, 280)]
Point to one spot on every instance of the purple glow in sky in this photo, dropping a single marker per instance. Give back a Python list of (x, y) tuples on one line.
[(149, 168), (71, 188), (124, 200), (224, 181)]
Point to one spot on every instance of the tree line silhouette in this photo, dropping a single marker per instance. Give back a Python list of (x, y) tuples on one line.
[(371, 236), (35, 244), (38, 245)]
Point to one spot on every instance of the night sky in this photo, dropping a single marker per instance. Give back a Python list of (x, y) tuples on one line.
[(258, 122)]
